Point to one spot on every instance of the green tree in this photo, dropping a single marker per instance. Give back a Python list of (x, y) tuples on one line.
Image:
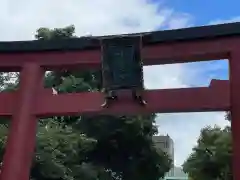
[(211, 158), (60, 153), (125, 146)]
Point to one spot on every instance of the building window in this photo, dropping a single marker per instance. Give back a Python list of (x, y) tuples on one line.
[(166, 145)]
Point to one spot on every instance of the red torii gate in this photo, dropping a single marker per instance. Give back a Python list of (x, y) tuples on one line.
[(31, 101)]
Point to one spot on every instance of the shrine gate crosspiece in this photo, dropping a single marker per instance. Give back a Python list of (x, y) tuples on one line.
[(31, 101)]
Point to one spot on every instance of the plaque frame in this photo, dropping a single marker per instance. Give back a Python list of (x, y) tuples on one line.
[(134, 72)]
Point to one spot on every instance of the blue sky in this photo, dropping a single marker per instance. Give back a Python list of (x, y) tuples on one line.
[(20, 19), (202, 13), (205, 11)]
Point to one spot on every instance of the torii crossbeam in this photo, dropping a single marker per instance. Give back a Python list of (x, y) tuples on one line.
[(31, 101), (212, 98)]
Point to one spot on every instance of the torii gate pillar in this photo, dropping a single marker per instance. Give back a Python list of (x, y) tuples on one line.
[(21, 139), (235, 109)]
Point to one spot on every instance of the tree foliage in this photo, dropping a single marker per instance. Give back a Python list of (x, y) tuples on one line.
[(211, 158)]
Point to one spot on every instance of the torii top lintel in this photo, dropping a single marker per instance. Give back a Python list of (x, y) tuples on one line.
[(160, 47)]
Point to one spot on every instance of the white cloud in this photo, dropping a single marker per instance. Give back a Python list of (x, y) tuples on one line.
[(20, 19), (180, 21), (98, 17), (164, 76)]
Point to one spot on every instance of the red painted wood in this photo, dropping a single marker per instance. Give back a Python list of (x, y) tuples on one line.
[(163, 53), (235, 109), (70, 59), (9, 99), (167, 100), (21, 139), (188, 51), (213, 98), (7, 104)]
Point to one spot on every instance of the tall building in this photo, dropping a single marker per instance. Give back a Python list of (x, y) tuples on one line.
[(166, 144)]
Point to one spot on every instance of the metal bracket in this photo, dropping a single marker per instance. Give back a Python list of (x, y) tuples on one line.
[(109, 98)]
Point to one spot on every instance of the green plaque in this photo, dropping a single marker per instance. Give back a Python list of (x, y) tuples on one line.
[(121, 63), (122, 66)]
